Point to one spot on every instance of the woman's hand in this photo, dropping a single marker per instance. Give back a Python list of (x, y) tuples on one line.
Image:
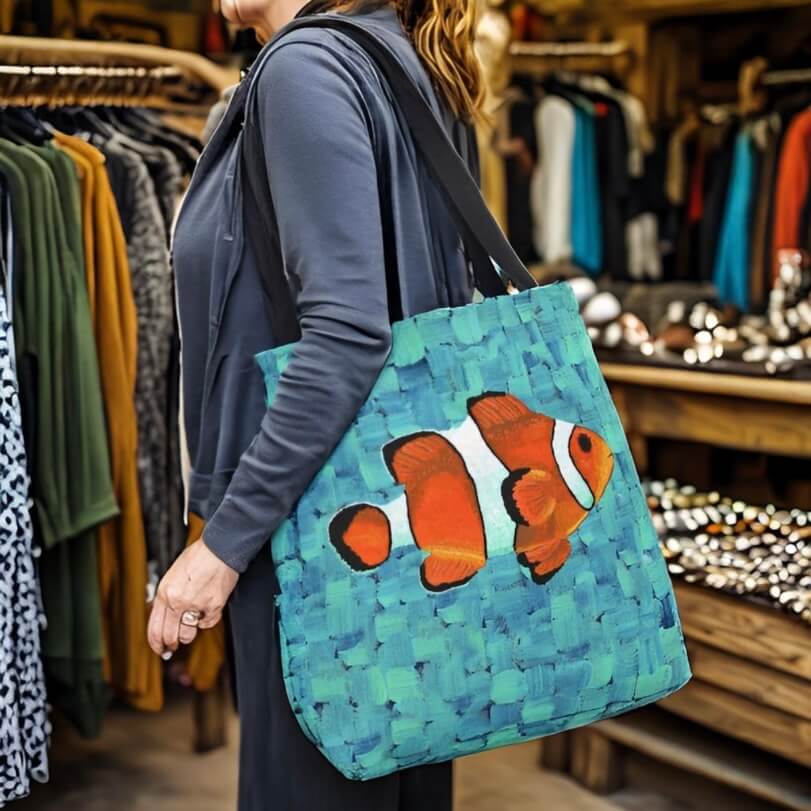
[(199, 583)]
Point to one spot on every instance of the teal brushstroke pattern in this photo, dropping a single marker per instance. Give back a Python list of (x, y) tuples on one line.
[(383, 674)]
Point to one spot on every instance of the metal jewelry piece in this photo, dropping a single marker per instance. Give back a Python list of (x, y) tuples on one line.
[(190, 619)]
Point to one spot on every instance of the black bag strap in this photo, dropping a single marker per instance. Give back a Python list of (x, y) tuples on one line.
[(481, 234)]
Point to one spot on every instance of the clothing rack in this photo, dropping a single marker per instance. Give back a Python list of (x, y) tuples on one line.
[(542, 58), (56, 72), (67, 85), (37, 72)]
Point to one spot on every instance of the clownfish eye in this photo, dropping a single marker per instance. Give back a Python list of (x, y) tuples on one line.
[(585, 443)]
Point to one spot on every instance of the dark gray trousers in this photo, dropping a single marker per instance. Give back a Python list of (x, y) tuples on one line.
[(280, 769)]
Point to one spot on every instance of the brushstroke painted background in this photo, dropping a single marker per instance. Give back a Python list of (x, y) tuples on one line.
[(383, 674)]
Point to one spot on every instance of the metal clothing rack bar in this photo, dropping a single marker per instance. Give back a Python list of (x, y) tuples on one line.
[(541, 58), (55, 52), (774, 78), (57, 71), (557, 50)]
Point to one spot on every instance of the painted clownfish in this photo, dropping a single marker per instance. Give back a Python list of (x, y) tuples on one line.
[(453, 505)]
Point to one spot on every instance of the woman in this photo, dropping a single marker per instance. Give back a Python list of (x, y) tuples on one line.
[(364, 238)]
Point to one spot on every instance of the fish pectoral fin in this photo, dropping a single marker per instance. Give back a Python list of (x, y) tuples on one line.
[(544, 557), (527, 496)]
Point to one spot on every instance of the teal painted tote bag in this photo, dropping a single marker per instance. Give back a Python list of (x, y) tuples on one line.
[(475, 566)]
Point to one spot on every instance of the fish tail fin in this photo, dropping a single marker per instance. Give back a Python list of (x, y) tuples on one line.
[(441, 572), (526, 496), (362, 536), (494, 409), (543, 557)]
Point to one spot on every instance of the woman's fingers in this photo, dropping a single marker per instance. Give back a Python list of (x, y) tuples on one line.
[(187, 634), (198, 582), (155, 627), (171, 629), (211, 620)]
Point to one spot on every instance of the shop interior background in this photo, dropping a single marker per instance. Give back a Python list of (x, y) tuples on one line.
[(656, 154)]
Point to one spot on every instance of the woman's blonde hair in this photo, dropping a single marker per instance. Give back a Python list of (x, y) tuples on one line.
[(442, 32)]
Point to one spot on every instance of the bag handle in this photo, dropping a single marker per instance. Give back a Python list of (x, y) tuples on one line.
[(481, 233)]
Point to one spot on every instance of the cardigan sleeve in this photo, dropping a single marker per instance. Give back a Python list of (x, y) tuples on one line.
[(322, 173)]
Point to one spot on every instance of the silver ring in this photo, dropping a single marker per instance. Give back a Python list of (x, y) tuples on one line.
[(190, 618)]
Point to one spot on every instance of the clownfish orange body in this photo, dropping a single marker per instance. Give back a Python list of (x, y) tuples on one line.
[(556, 472)]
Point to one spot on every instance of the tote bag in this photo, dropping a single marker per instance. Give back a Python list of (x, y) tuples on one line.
[(475, 566)]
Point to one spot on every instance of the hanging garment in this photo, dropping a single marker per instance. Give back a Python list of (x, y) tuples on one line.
[(551, 189), (677, 164), (23, 714), (732, 264), (639, 138), (91, 497), (718, 173), (761, 265), (152, 288), (695, 197), (207, 654), (586, 220), (72, 643), (39, 327), (7, 248), (615, 185), (130, 667), (793, 182), (163, 168), (644, 259), (521, 169), (167, 131)]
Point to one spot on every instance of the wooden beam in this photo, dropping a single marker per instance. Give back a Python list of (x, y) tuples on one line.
[(653, 9), (690, 748), (747, 388), (211, 718), (686, 8), (758, 683), (556, 752), (749, 631), (596, 762), (775, 731)]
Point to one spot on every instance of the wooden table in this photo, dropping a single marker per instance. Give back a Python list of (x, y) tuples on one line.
[(751, 664)]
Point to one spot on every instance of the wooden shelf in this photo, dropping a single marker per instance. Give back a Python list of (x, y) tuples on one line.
[(748, 388), (724, 711), (687, 746), (657, 8), (727, 411), (752, 632)]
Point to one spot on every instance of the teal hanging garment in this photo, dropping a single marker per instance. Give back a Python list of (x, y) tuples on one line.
[(587, 227)]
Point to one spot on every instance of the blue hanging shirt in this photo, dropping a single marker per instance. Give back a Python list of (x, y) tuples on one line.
[(587, 233), (731, 275)]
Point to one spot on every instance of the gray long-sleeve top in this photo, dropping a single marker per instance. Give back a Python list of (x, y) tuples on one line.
[(334, 148)]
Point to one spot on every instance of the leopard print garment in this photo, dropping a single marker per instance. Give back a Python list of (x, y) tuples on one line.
[(23, 715)]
